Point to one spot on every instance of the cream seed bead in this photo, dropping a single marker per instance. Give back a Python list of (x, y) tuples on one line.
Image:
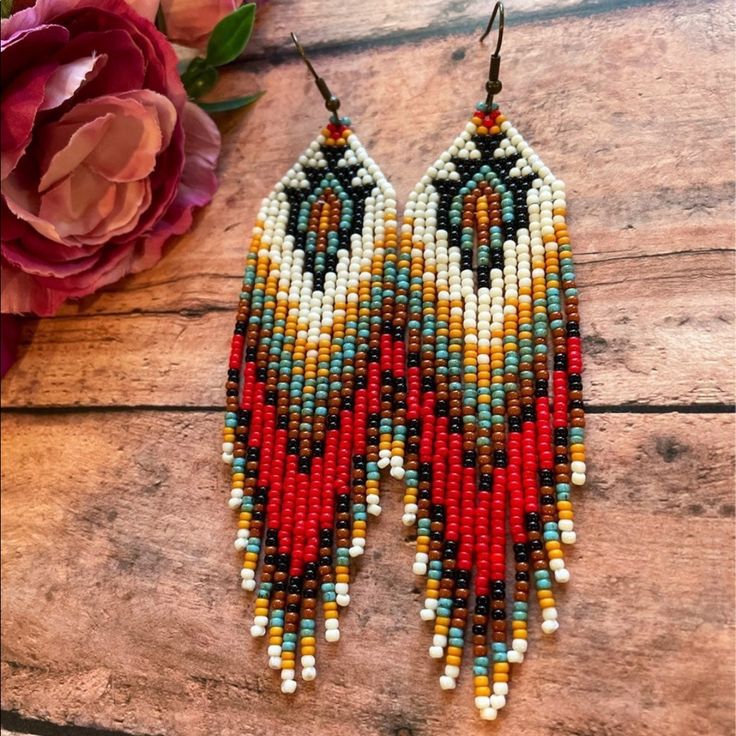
[(488, 318), (288, 687), (498, 701)]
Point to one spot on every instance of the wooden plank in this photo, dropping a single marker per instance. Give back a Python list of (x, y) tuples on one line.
[(122, 608), (651, 219), (388, 22), (634, 188), (648, 350)]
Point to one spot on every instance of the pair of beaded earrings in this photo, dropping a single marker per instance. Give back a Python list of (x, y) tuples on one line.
[(423, 346)]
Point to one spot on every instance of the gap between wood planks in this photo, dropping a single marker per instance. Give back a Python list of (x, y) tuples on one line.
[(714, 408), (275, 55), (14, 723)]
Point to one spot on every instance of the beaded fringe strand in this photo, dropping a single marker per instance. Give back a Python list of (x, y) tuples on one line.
[(309, 391), (493, 446)]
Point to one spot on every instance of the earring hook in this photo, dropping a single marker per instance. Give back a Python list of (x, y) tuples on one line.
[(332, 103), (493, 85)]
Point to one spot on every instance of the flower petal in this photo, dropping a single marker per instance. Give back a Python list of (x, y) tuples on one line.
[(78, 203), (40, 42), (67, 145), (125, 68), (24, 96), (201, 149), (21, 293), (146, 8), (190, 22), (68, 78)]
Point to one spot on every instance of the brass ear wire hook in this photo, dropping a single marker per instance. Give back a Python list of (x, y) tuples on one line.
[(332, 103), (493, 85)]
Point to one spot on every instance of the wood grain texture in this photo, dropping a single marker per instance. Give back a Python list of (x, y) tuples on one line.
[(121, 609), (643, 350), (390, 23), (122, 605), (651, 208)]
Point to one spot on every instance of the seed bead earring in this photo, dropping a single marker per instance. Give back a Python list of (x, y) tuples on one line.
[(309, 391), (494, 435)]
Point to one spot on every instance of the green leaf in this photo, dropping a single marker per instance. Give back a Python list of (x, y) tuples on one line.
[(232, 104), (231, 35), (199, 78), (6, 6)]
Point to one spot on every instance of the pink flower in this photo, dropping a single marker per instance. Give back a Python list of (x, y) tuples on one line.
[(190, 22), (102, 158)]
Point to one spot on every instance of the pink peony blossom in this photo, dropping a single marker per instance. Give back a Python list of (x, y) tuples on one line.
[(102, 157), (190, 22)]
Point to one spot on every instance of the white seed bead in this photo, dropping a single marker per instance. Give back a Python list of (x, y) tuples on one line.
[(498, 701), (288, 687), (550, 626), (447, 683)]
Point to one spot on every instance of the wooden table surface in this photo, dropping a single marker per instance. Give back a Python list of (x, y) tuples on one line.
[(122, 612)]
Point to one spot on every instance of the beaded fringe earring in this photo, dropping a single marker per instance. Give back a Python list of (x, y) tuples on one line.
[(309, 387), (493, 445)]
